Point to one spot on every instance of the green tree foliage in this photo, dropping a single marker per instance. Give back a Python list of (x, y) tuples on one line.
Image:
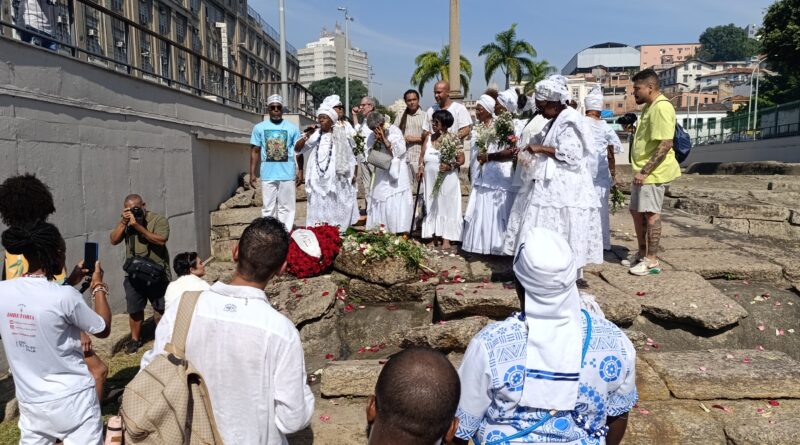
[(434, 66), (539, 72), (335, 85), (726, 42), (511, 56), (780, 42)]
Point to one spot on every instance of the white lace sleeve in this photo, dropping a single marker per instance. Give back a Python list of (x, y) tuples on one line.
[(397, 140), (613, 140), (569, 148)]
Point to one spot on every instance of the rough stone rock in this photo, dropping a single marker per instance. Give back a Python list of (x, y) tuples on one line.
[(691, 242), (357, 378), (379, 324), (367, 293), (733, 224), (243, 199), (495, 268), (672, 423), (723, 264), (222, 250), (244, 181), (11, 409), (683, 297), (648, 383), (120, 334), (747, 374), (447, 267), (321, 338), (219, 271), (450, 336), (300, 193), (638, 338), (386, 271), (235, 216), (756, 422), (487, 299), (220, 233), (7, 398), (303, 300), (619, 308), (339, 421)]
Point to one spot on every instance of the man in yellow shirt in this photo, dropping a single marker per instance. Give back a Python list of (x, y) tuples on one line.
[(654, 166)]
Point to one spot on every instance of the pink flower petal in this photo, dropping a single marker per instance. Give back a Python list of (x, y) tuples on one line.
[(348, 308), (641, 293), (721, 407), (761, 327), (728, 356), (643, 411), (324, 418), (774, 403), (702, 369), (361, 350), (779, 332), (759, 348), (325, 294), (760, 410), (746, 360), (328, 356)]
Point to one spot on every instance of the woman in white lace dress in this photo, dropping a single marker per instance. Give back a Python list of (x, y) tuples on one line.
[(563, 197), (390, 200), (491, 197), (329, 170), (443, 219)]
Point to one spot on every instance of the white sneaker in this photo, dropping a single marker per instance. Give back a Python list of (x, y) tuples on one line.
[(632, 260), (645, 267)]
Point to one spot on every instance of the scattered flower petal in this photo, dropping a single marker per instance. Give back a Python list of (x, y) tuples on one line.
[(644, 411), (704, 408), (778, 332), (774, 403), (791, 331), (721, 407), (703, 369), (324, 418), (325, 294), (728, 356), (641, 293), (348, 308), (361, 350), (328, 356), (361, 306), (761, 327), (759, 348), (760, 410), (746, 360), (693, 306)]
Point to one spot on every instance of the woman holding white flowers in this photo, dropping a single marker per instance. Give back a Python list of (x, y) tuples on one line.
[(329, 170), (443, 221), (390, 200), (491, 197)]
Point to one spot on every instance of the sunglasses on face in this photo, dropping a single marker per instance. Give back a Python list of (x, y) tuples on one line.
[(338, 106), (275, 107)]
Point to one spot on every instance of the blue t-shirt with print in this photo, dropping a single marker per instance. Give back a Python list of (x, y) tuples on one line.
[(277, 149)]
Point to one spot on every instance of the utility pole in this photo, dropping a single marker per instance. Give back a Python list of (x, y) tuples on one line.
[(347, 18), (284, 71), (455, 53)]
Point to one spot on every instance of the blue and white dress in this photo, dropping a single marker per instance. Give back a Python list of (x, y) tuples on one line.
[(492, 377)]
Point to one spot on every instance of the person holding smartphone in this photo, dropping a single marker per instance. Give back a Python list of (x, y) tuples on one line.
[(41, 323)]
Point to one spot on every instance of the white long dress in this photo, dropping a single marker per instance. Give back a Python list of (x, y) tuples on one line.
[(603, 136), (489, 205), (331, 194), (390, 200), (563, 197), (443, 217)]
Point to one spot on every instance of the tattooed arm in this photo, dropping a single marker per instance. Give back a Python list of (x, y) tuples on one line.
[(657, 158)]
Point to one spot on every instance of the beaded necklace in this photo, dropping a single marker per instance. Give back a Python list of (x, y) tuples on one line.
[(330, 155)]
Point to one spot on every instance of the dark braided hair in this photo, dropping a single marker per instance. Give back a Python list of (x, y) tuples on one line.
[(41, 244), (24, 200)]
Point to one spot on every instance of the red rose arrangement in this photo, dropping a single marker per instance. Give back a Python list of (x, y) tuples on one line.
[(302, 265)]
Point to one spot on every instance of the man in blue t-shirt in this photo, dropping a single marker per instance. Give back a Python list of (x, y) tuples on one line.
[(273, 146)]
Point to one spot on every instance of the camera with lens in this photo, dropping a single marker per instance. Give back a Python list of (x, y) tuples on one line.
[(138, 213)]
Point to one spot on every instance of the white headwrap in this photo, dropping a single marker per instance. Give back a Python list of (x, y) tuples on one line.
[(508, 99), (553, 89), (487, 103), (594, 99), (331, 101), (328, 111), (275, 99), (545, 266)]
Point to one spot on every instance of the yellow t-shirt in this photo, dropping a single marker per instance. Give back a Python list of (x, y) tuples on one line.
[(17, 266), (656, 124)]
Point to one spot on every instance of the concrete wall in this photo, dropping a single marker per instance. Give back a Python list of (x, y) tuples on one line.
[(778, 149), (95, 136)]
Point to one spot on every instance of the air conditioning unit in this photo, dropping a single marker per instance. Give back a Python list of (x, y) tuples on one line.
[(145, 53), (62, 19), (119, 44), (92, 33)]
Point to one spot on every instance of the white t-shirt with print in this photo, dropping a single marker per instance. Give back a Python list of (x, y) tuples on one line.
[(461, 117), (41, 324)]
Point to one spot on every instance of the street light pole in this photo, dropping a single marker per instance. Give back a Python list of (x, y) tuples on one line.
[(755, 117), (347, 18), (284, 71)]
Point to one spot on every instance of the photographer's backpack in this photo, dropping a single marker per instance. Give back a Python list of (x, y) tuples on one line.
[(167, 402)]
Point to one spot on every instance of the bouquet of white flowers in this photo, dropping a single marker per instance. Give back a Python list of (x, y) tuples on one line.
[(448, 145), (359, 139), (483, 136)]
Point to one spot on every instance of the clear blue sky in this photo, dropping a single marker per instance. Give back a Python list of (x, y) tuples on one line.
[(393, 33)]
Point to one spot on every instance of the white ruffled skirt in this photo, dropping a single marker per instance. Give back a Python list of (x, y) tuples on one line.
[(486, 220), (394, 213), (336, 208)]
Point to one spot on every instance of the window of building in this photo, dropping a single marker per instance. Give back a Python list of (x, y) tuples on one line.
[(164, 20), (699, 123), (685, 123), (145, 12), (712, 123), (93, 43), (705, 100), (180, 29)]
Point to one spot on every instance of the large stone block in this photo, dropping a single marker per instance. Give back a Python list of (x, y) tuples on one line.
[(222, 250), (445, 336), (753, 211), (235, 216), (728, 374), (487, 299), (683, 297), (672, 423), (733, 224), (370, 293), (303, 300), (773, 229), (756, 422), (620, 308), (354, 378), (723, 264), (243, 199), (648, 384), (494, 268), (386, 271)]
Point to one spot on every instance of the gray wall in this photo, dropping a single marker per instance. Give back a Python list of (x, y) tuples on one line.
[(95, 136), (778, 149)]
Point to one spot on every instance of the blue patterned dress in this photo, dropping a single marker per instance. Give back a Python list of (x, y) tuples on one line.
[(493, 375)]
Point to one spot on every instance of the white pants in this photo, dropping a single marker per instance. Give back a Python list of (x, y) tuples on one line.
[(75, 419), (365, 171), (279, 201)]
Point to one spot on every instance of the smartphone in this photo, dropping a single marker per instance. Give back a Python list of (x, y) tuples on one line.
[(91, 253)]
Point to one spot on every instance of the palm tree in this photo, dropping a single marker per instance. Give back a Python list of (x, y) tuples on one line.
[(433, 66), (539, 72), (508, 54)]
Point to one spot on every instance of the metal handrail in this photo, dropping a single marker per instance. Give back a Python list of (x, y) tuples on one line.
[(207, 78)]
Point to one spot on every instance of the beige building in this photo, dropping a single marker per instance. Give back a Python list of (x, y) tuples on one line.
[(664, 55), (325, 58)]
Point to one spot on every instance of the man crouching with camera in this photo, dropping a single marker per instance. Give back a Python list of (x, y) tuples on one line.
[(146, 262)]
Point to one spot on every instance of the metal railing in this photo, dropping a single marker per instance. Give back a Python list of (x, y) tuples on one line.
[(269, 30), (89, 31)]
